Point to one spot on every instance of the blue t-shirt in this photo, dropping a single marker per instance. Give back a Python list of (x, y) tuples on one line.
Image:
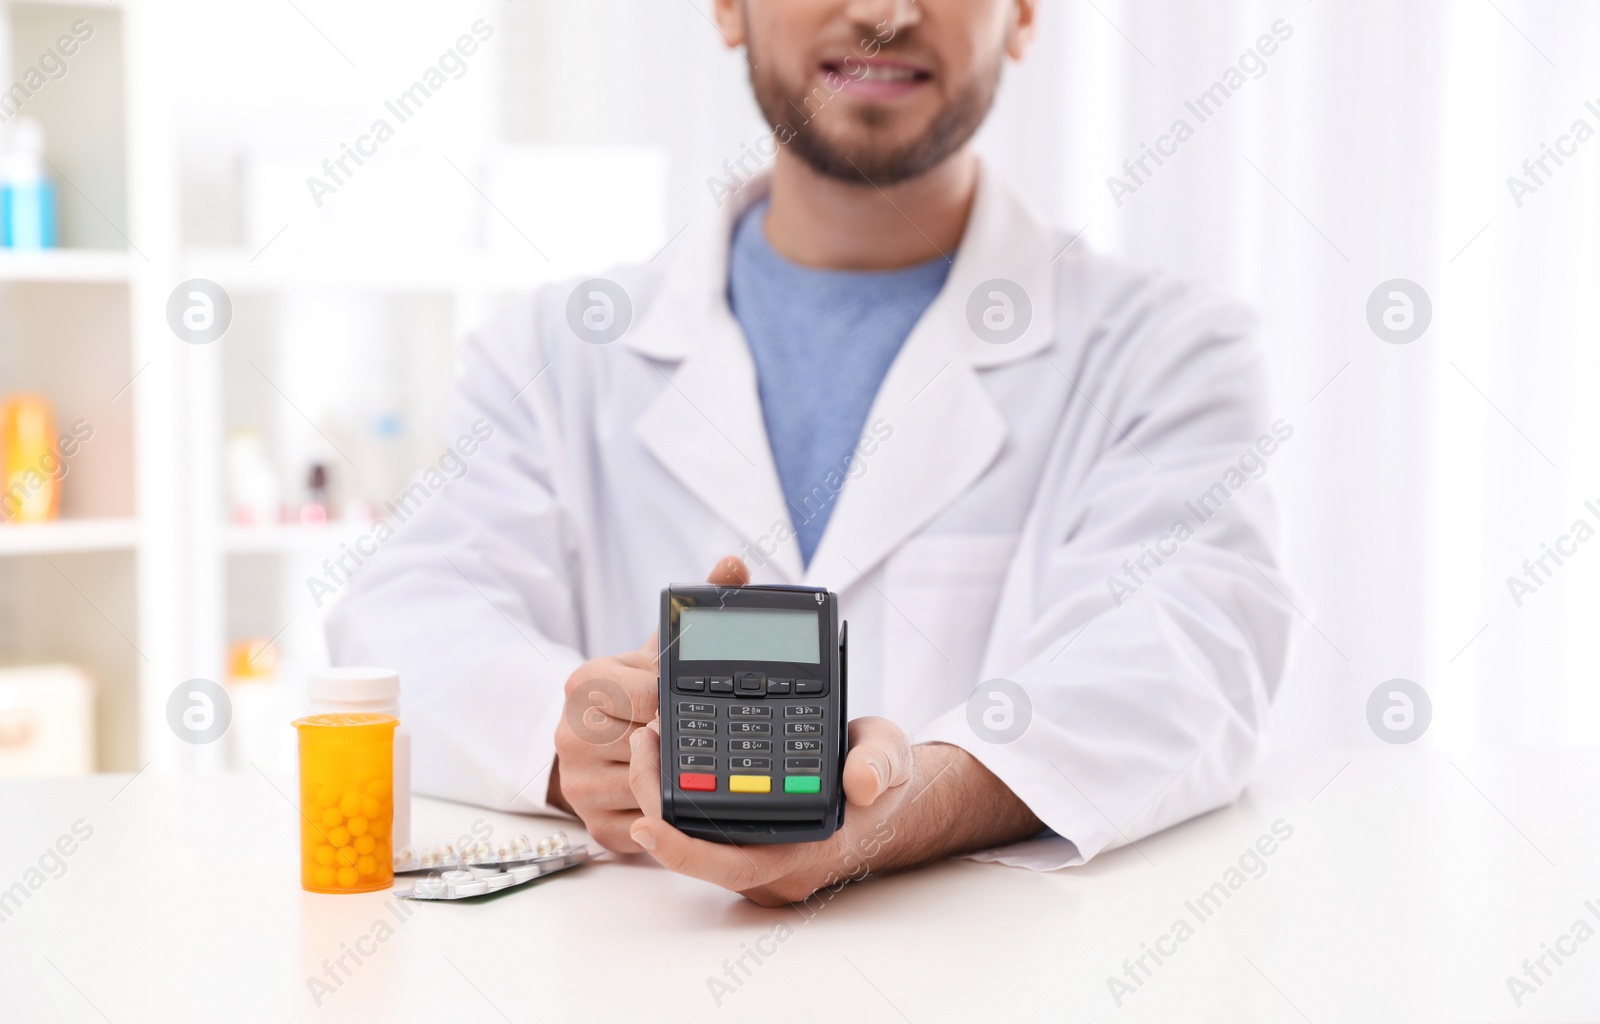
[(822, 341)]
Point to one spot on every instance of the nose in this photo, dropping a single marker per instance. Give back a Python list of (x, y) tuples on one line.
[(883, 18)]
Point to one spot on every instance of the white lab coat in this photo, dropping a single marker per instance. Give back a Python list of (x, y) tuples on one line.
[(975, 542)]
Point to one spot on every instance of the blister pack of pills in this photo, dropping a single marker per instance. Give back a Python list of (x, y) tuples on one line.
[(478, 869), (446, 856)]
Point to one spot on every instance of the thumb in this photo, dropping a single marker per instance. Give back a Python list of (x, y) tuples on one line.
[(647, 654), (879, 760), (730, 571), (644, 768)]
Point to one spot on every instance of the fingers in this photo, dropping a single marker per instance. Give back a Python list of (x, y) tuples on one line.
[(604, 788), (727, 866), (605, 701), (610, 829), (598, 792), (612, 687), (739, 868), (879, 760), (594, 738), (729, 572)]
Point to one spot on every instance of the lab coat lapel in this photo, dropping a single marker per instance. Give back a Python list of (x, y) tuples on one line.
[(946, 429), (705, 426)]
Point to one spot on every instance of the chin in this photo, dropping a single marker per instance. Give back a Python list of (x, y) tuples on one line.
[(865, 138), (887, 143), (872, 148)]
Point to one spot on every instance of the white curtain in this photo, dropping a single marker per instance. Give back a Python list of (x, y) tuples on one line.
[(1377, 145)]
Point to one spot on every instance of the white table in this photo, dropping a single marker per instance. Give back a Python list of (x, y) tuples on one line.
[(1412, 886)]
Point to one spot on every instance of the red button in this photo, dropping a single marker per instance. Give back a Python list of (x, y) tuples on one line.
[(697, 782)]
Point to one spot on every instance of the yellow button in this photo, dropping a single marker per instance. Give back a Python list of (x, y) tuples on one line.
[(749, 783)]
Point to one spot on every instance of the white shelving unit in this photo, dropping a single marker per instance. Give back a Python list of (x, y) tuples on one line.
[(414, 272), (66, 265), (146, 581), (80, 325), (281, 538), (70, 536)]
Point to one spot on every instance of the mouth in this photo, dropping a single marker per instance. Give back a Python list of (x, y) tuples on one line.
[(877, 79)]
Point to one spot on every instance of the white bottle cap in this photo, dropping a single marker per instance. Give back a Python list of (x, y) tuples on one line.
[(362, 683), (22, 152), (25, 135)]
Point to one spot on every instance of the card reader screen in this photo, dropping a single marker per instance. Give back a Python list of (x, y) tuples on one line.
[(748, 634)]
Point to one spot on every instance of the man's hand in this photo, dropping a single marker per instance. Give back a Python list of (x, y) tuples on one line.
[(607, 700), (905, 806)]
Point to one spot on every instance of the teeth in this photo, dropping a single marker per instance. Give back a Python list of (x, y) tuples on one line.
[(885, 74)]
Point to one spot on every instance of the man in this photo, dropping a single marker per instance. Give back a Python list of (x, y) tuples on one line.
[(874, 371)]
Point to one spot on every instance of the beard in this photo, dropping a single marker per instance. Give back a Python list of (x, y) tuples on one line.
[(871, 157)]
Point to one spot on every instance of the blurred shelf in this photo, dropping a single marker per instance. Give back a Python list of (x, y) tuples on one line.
[(71, 3), (68, 535), (52, 265), (479, 272), (288, 538)]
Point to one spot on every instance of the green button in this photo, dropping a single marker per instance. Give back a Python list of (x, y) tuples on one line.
[(802, 784)]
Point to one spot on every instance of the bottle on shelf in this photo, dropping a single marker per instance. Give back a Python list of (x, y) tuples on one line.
[(27, 195), (30, 465), (252, 481), (384, 466), (259, 705), (317, 506)]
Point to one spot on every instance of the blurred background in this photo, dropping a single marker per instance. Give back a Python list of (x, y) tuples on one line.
[(146, 143)]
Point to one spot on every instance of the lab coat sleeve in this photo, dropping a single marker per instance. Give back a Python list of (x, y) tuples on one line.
[(473, 598), (1149, 651)]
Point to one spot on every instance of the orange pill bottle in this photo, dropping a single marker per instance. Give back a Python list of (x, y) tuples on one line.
[(346, 802)]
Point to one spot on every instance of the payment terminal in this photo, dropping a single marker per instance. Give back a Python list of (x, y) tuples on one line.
[(752, 713)]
